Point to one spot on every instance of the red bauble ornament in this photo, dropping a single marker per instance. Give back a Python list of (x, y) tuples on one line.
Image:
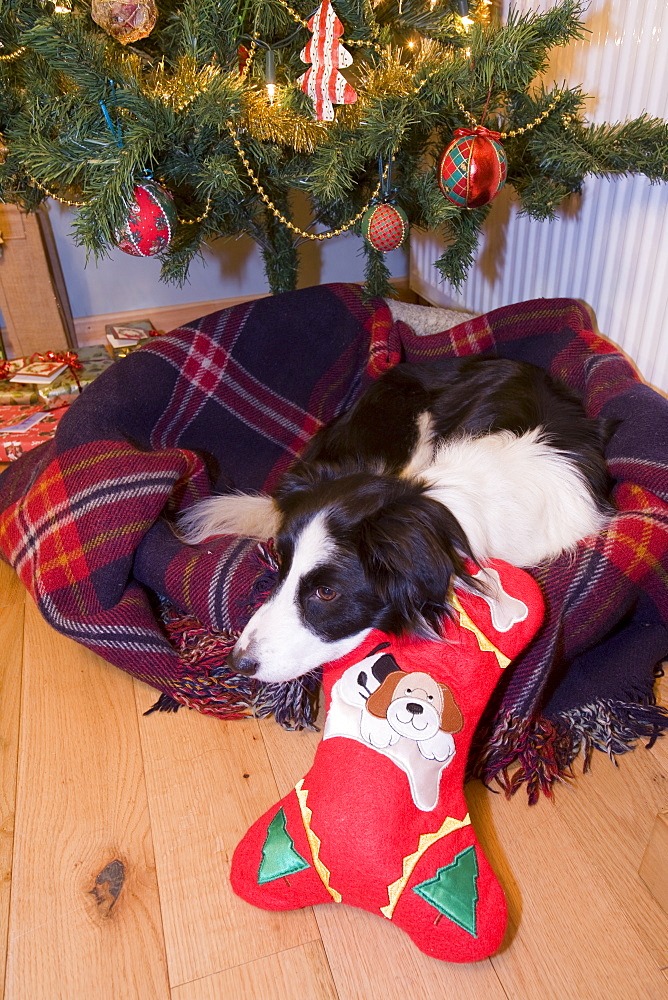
[(384, 226), (473, 168), (151, 221)]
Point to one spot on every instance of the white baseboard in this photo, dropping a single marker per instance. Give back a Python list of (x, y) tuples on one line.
[(90, 330)]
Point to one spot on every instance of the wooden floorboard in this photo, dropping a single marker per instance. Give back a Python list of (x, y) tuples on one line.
[(298, 972), (85, 916), (660, 747), (115, 869), (208, 780), (612, 824), (569, 935), (12, 605)]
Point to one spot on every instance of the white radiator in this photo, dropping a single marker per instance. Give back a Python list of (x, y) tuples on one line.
[(608, 247)]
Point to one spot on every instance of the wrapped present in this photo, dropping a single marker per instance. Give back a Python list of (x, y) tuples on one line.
[(69, 385), (39, 372), (62, 390), (12, 392), (23, 427), (122, 339)]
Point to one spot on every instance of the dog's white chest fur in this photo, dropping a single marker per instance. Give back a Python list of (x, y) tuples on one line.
[(516, 498)]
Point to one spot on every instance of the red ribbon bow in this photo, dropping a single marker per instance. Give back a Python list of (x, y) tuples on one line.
[(480, 130), (69, 358)]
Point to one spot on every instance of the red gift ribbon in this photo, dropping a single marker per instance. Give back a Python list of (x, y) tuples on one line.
[(69, 358), (480, 130), (6, 370)]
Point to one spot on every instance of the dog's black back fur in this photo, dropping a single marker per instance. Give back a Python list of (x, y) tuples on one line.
[(473, 395), (366, 539), (397, 548)]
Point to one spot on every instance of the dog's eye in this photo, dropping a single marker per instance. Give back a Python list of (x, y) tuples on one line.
[(325, 594)]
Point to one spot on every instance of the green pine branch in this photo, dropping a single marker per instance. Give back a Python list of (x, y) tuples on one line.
[(84, 118)]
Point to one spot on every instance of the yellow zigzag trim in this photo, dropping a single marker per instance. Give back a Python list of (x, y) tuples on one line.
[(483, 642), (314, 841), (395, 889)]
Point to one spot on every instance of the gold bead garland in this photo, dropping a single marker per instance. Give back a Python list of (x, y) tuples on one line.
[(82, 204), (13, 55), (200, 218), (360, 43), (56, 197), (278, 214), (518, 131)]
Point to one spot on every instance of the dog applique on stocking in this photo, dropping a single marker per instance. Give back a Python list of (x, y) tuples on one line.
[(380, 821)]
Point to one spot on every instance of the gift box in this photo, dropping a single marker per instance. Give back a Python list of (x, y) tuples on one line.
[(121, 340), (23, 427), (62, 390)]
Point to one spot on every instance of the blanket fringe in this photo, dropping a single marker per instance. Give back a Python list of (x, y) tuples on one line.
[(212, 688), (538, 752), (613, 727), (165, 703)]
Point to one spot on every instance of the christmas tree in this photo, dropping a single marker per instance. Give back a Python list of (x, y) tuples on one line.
[(203, 97)]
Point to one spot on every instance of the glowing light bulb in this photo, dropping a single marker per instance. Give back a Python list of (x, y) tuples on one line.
[(270, 75), (466, 21)]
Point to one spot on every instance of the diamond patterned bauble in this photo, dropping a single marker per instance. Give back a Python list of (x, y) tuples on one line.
[(473, 168), (384, 226), (151, 221)]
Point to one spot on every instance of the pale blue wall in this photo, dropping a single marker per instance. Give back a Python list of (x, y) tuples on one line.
[(230, 268)]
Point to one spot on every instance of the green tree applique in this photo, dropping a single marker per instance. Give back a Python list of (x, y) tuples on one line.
[(453, 890), (279, 857)]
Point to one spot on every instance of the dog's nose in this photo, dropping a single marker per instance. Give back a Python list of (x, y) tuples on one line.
[(414, 709), (245, 665), (241, 663)]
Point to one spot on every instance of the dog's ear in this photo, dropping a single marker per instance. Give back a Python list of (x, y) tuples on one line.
[(379, 702), (410, 550), (302, 479), (299, 479), (452, 719)]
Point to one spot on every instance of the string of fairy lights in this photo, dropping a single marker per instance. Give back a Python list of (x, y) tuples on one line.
[(189, 81)]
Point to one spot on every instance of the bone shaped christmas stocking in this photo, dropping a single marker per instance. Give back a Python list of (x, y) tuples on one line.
[(380, 821)]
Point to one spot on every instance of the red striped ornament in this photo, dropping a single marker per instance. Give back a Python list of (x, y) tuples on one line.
[(384, 226), (322, 82), (473, 168), (150, 223)]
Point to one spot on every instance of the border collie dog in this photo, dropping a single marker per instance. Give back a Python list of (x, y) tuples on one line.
[(435, 467)]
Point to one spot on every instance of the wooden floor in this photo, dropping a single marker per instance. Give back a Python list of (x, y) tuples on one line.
[(117, 831)]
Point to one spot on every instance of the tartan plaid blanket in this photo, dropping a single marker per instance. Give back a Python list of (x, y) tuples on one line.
[(228, 402)]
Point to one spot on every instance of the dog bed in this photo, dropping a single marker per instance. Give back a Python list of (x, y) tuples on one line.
[(228, 402)]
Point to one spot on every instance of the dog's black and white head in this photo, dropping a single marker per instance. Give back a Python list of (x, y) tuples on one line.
[(356, 552)]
